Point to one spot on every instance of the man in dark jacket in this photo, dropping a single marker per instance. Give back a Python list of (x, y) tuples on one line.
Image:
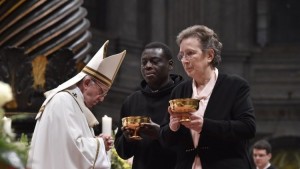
[(152, 100), (262, 154)]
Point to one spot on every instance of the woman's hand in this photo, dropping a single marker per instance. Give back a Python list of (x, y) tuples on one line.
[(195, 123), (174, 120)]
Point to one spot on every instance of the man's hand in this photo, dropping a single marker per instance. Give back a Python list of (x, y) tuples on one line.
[(108, 141), (128, 133), (150, 129)]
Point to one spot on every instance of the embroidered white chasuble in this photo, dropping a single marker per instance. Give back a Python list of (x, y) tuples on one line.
[(63, 137)]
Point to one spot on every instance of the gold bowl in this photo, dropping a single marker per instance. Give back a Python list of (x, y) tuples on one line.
[(184, 106), (134, 122)]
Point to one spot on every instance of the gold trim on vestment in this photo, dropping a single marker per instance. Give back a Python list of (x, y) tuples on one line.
[(97, 152), (97, 75)]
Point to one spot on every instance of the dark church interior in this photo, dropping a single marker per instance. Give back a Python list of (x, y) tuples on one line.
[(44, 43)]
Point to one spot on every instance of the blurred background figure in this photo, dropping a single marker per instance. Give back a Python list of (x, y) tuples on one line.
[(262, 154)]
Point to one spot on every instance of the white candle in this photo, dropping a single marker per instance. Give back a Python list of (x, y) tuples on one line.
[(7, 125), (106, 125)]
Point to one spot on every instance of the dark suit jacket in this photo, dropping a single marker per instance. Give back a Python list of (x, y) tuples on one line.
[(271, 167), (229, 123)]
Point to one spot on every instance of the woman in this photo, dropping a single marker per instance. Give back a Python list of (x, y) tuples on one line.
[(218, 132)]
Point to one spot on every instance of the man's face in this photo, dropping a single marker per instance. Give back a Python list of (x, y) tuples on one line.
[(154, 66), (261, 158), (94, 92)]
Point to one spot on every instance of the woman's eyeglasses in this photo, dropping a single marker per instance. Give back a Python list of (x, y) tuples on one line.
[(189, 55), (180, 56)]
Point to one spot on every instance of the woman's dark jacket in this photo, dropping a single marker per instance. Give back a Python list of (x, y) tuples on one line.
[(148, 154), (229, 123)]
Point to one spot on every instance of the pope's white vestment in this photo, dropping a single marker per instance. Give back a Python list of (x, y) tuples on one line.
[(62, 138)]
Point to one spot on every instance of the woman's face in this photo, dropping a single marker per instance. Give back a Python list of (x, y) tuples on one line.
[(195, 61)]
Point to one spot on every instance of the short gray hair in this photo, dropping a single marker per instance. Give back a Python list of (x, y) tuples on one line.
[(207, 38)]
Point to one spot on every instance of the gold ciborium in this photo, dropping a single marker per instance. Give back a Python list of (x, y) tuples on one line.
[(182, 107), (134, 122)]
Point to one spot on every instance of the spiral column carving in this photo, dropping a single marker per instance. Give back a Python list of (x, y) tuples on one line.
[(42, 44)]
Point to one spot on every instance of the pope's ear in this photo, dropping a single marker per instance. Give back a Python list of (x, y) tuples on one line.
[(86, 81)]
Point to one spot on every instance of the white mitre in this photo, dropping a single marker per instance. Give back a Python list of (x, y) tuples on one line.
[(102, 68)]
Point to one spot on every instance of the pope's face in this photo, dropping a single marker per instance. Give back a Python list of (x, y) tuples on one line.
[(94, 93), (261, 158)]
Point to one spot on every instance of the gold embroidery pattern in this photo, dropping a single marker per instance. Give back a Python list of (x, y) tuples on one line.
[(97, 152)]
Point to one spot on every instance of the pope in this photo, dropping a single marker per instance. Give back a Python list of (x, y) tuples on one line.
[(63, 137)]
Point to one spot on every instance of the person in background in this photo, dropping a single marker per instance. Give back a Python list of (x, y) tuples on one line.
[(151, 100), (218, 133), (262, 154), (63, 137)]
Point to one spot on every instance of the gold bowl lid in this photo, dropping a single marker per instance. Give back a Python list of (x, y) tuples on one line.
[(134, 121), (184, 105)]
